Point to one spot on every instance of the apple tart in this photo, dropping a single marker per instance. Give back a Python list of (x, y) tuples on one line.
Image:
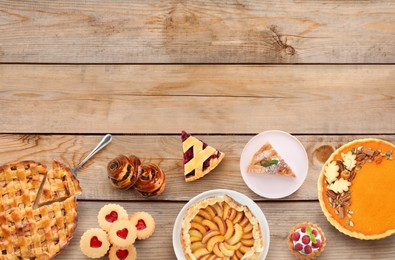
[(220, 227)]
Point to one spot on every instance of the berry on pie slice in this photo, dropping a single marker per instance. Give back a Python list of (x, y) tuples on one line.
[(109, 214), (199, 157), (267, 160), (122, 253), (122, 233), (144, 223), (94, 243)]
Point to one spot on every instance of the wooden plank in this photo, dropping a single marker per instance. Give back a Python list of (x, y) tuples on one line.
[(280, 216), (166, 151), (200, 31), (202, 99)]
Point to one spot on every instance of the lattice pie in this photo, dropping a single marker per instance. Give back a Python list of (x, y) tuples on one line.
[(220, 227), (36, 233)]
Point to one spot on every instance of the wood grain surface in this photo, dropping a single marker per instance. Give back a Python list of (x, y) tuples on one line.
[(281, 216), (166, 151), (200, 31), (201, 99)]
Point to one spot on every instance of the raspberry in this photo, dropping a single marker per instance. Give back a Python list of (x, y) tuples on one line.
[(306, 239), (303, 229), (315, 232), (308, 249), (298, 247), (317, 243), (295, 236)]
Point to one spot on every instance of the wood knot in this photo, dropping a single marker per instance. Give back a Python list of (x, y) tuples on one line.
[(180, 18), (323, 152), (280, 42)]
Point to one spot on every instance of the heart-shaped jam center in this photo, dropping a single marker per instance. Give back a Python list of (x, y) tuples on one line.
[(113, 216), (95, 242), (123, 233), (122, 254), (140, 224)]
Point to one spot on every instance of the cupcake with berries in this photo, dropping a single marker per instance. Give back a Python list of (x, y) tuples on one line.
[(306, 241)]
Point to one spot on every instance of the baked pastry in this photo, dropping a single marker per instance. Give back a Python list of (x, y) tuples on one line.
[(127, 172), (109, 214), (144, 223), (199, 157), (124, 171), (118, 253), (220, 227), (94, 243), (306, 241), (267, 160), (122, 233), (27, 232), (356, 189)]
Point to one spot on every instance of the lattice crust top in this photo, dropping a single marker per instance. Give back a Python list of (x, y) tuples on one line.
[(40, 233)]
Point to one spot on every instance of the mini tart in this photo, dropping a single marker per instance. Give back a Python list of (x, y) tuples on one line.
[(94, 243), (356, 189), (119, 253), (122, 233), (316, 248), (220, 227), (109, 214), (144, 223)]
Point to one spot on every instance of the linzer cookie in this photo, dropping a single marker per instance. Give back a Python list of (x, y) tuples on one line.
[(144, 223), (94, 243), (118, 253), (356, 189), (122, 233), (109, 214)]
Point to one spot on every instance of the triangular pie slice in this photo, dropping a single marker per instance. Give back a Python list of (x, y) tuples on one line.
[(199, 157), (267, 160)]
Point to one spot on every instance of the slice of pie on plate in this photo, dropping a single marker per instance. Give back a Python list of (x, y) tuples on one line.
[(267, 161), (199, 157), (220, 228)]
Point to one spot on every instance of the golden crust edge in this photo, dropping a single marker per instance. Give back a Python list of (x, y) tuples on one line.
[(327, 214)]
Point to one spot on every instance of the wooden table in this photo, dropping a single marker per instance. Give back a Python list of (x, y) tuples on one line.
[(143, 70)]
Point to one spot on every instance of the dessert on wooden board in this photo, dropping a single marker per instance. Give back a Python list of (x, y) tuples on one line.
[(306, 241), (199, 157), (267, 161), (36, 231), (127, 172), (220, 227), (356, 189)]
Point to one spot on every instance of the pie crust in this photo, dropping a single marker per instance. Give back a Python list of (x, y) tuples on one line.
[(239, 236), (275, 163), (366, 196)]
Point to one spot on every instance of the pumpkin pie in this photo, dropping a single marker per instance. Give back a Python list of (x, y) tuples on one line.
[(356, 189), (220, 227)]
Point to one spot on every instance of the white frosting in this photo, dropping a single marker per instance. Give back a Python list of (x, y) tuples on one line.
[(299, 230)]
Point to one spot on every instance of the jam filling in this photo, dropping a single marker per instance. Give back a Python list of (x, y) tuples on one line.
[(113, 216), (123, 233), (140, 224), (95, 242), (122, 254)]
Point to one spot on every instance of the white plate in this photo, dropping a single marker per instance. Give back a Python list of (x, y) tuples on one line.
[(242, 199), (293, 153)]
